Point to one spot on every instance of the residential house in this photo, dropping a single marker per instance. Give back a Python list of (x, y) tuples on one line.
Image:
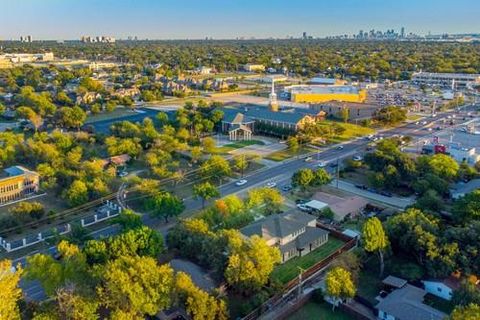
[(342, 207), (405, 302), (444, 288), (294, 233)]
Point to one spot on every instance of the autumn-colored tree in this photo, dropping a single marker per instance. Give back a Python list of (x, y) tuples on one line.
[(250, 262), (374, 239), (470, 312), (10, 292), (269, 199), (339, 284), (136, 286), (303, 178), (198, 303), (215, 168)]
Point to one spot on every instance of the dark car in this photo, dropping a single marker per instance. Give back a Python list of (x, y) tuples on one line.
[(361, 186), (287, 188), (386, 194), (300, 201)]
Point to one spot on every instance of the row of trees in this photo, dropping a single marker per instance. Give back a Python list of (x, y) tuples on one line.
[(117, 278)]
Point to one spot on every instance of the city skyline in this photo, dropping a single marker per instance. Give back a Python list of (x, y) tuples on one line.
[(53, 19)]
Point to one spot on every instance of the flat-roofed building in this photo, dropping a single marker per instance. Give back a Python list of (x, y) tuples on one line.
[(321, 94), (446, 79), (19, 183)]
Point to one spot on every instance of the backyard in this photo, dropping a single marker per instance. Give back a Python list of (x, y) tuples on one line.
[(351, 131), (290, 269)]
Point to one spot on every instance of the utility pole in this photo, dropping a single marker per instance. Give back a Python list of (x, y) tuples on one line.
[(338, 171), (299, 291)]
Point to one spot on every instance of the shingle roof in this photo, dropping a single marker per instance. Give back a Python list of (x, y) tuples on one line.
[(256, 112), (278, 225), (407, 303)]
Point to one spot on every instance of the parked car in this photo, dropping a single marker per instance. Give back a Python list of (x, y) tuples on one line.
[(287, 188), (303, 207), (386, 194), (300, 201), (241, 182), (361, 186)]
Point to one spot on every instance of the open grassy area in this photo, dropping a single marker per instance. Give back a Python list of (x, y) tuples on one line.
[(117, 113), (286, 154), (369, 286), (290, 269), (318, 311), (351, 131), (237, 145)]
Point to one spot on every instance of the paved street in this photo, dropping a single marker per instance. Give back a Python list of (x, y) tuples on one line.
[(280, 174)]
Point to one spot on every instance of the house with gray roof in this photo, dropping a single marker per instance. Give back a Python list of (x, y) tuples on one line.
[(406, 303), (294, 233)]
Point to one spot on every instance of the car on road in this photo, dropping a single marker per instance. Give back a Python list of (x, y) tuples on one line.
[(322, 164), (340, 148), (333, 165), (361, 186), (308, 159), (271, 184), (241, 182), (286, 188), (357, 158), (424, 122), (417, 123), (122, 174), (386, 194)]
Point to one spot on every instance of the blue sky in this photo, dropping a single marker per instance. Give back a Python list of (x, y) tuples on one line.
[(181, 19)]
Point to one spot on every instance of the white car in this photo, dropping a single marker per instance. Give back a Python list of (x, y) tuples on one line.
[(308, 159), (122, 174), (322, 164), (424, 122), (357, 158), (302, 207), (240, 182), (340, 148), (271, 184)]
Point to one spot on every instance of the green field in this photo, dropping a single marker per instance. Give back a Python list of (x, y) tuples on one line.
[(318, 311), (290, 269), (286, 154), (351, 131), (117, 113)]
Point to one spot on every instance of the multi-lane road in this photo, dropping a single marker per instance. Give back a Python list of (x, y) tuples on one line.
[(279, 174)]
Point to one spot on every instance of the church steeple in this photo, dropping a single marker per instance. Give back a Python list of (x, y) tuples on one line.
[(273, 98)]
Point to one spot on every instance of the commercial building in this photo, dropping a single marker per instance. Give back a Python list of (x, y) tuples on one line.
[(446, 79), (293, 233), (321, 94), (253, 67), (27, 57), (19, 183), (97, 39), (326, 81)]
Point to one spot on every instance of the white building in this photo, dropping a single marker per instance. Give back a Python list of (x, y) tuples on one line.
[(27, 57), (446, 79), (461, 154), (441, 288), (253, 67), (203, 70)]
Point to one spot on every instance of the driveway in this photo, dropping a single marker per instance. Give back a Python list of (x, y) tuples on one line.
[(199, 276)]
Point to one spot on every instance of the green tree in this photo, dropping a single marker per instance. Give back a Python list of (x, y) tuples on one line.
[(136, 285), (72, 306), (77, 194), (321, 177), (467, 208), (303, 178), (269, 199), (215, 168), (374, 239), (293, 144), (205, 191), (470, 312), (164, 205), (444, 166), (241, 163)]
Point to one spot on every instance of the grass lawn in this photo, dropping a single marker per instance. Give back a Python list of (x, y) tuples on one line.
[(286, 154), (237, 145), (318, 311), (369, 286), (414, 117), (118, 112), (289, 270), (351, 131), (439, 303)]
